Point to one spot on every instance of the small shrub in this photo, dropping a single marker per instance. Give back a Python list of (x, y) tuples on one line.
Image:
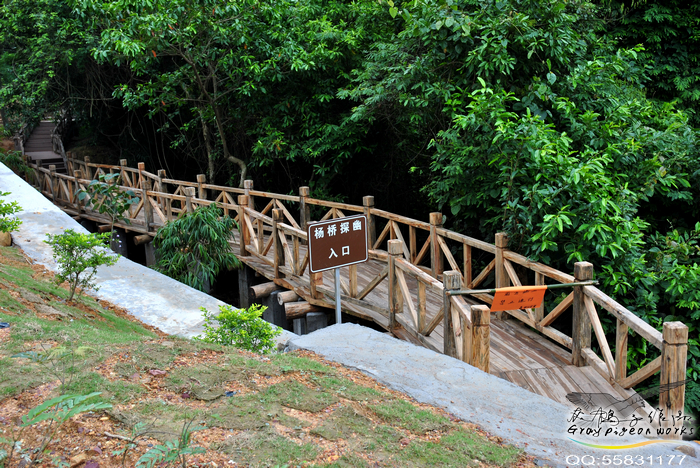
[(14, 161), (243, 328), (106, 197), (8, 223), (78, 256)]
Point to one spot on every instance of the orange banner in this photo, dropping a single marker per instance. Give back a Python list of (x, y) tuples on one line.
[(518, 297)]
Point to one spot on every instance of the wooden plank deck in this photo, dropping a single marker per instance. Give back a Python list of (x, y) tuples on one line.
[(518, 354)]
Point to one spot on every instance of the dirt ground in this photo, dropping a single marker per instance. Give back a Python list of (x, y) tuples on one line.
[(244, 409)]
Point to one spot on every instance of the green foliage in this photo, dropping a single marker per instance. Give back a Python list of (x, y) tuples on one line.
[(8, 223), (15, 161), (172, 451), (106, 196), (243, 328), (261, 74), (59, 361), (57, 411), (669, 30), (194, 248), (78, 255), (544, 119)]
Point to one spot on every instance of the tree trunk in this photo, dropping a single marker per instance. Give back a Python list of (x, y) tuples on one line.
[(228, 156), (207, 144)]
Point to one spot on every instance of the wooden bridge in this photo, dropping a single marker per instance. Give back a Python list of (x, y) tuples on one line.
[(404, 287)]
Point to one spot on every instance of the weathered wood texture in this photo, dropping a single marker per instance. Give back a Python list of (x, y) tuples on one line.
[(400, 288)]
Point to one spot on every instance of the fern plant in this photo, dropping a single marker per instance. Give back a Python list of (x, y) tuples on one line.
[(173, 451), (56, 411)]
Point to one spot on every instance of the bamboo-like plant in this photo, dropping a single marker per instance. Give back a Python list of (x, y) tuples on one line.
[(195, 247)]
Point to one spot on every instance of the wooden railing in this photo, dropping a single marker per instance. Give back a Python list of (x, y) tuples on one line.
[(58, 134), (411, 255), (22, 135)]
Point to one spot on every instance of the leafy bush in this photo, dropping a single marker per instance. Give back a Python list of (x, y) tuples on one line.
[(195, 247), (13, 160), (78, 256), (8, 223), (243, 328), (106, 197)]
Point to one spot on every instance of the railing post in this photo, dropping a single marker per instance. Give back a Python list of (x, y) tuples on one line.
[(352, 276), (277, 248), (162, 186), (451, 281), (245, 235), (189, 194), (539, 311), (88, 172), (435, 251), (248, 186), (69, 163), (674, 354), (502, 280), (77, 175), (202, 192), (315, 279), (368, 205), (395, 250), (481, 338), (141, 167), (304, 209), (581, 326), (621, 336), (52, 170), (147, 207), (164, 203), (122, 170)]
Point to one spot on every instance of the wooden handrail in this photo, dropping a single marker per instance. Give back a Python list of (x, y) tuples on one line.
[(402, 259), (635, 323)]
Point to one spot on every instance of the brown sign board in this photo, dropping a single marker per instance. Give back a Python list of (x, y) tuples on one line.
[(518, 297), (337, 242)]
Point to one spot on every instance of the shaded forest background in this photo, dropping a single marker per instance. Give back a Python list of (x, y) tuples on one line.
[(572, 125)]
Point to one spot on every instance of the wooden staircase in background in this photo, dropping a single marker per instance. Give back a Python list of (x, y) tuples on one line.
[(39, 147)]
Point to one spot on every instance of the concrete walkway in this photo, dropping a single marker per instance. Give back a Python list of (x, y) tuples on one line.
[(532, 422), (151, 297)]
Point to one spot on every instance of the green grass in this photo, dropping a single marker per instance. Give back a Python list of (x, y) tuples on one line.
[(373, 424), (343, 423), (114, 392), (403, 414), (458, 449), (347, 389), (265, 448), (292, 394)]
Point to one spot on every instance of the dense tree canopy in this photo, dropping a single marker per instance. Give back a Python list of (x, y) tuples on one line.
[(570, 125)]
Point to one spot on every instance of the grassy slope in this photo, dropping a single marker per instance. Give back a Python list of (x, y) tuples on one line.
[(281, 410)]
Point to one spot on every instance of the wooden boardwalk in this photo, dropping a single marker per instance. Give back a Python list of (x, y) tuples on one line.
[(407, 285), (517, 353)]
